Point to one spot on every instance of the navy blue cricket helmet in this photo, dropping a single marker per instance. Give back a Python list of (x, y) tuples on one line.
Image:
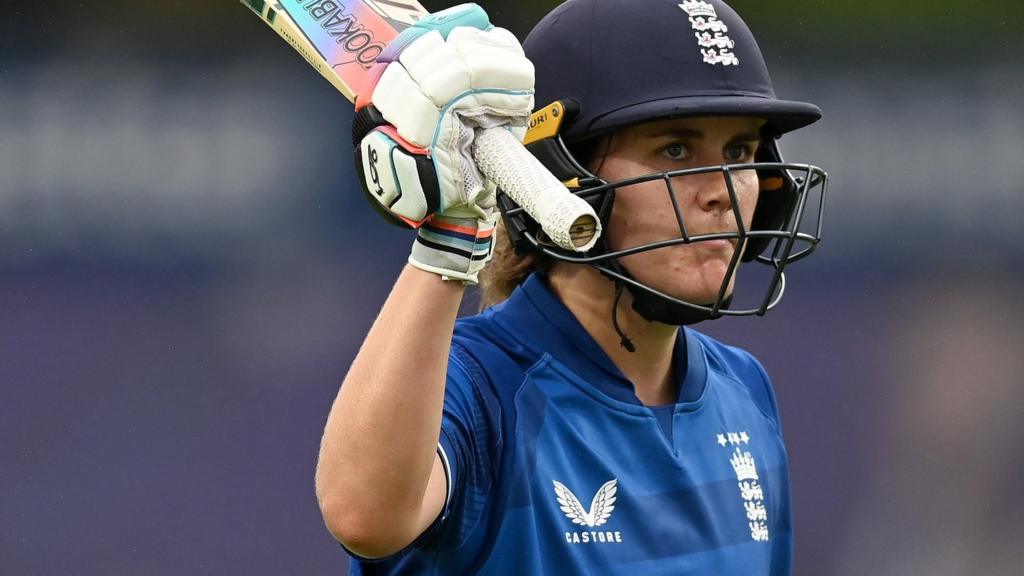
[(631, 61), (603, 65)]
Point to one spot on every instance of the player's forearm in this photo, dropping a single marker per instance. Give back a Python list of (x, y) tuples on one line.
[(381, 437)]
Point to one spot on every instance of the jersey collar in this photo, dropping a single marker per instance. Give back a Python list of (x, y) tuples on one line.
[(545, 321)]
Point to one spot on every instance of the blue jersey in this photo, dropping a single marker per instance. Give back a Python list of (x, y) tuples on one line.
[(555, 467)]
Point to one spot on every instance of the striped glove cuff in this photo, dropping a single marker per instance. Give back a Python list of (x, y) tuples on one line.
[(455, 248)]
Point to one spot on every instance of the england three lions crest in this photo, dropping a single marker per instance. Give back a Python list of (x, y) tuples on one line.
[(748, 481), (712, 34)]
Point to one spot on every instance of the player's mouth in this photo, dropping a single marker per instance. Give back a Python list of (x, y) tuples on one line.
[(722, 245), (718, 245)]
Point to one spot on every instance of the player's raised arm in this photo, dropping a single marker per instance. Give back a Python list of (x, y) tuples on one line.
[(379, 481)]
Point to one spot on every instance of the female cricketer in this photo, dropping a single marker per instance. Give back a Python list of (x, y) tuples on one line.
[(578, 425)]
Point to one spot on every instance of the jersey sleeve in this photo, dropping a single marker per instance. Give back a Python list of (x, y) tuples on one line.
[(466, 449)]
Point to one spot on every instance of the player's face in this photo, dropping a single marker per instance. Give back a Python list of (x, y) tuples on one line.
[(643, 213)]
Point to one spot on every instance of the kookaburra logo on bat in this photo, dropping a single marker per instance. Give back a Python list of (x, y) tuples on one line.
[(346, 30)]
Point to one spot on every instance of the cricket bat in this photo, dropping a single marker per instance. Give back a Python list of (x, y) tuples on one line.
[(341, 39)]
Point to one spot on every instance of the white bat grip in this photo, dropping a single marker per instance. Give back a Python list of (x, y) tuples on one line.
[(566, 218)]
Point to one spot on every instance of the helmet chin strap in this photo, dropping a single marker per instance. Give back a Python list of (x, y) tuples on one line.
[(652, 307), (657, 309), (625, 342)]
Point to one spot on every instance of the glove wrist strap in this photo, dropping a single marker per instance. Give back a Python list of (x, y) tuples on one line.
[(455, 248)]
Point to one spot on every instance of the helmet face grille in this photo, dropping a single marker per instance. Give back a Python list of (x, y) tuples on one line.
[(786, 227)]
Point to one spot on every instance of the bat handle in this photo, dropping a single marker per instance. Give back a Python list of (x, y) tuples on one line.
[(568, 220)]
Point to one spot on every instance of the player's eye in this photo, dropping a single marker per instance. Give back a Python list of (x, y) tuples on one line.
[(739, 153), (676, 152)]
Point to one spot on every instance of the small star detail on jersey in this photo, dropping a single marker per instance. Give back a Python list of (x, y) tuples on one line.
[(732, 438)]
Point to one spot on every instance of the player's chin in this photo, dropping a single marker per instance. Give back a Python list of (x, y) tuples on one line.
[(706, 293), (682, 272), (696, 282), (702, 283)]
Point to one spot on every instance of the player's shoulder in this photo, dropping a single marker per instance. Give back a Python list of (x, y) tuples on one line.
[(493, 332), (479, 328), (743, 368), (489, 345), (728, 359)]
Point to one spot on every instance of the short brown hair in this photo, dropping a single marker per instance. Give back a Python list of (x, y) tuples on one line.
[(507, 269)]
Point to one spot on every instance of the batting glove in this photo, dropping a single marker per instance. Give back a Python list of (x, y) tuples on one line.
[(439, 81)]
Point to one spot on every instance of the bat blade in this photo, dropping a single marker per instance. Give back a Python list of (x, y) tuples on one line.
[(349, 35), (341, 39)]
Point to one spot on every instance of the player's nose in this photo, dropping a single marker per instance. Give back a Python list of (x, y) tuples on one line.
[(712, 191), (718, 191)]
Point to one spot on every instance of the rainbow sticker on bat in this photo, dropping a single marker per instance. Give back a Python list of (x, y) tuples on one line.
[(347, 35), (351, 34)]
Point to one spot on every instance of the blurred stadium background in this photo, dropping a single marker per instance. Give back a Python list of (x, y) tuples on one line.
[(187, 268)]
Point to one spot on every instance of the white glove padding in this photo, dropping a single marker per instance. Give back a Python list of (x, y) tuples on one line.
[(441, 82)]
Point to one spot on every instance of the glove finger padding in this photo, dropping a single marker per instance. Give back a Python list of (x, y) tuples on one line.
[(441, 89)]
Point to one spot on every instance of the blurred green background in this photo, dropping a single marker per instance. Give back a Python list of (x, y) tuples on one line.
[(187, 267)]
